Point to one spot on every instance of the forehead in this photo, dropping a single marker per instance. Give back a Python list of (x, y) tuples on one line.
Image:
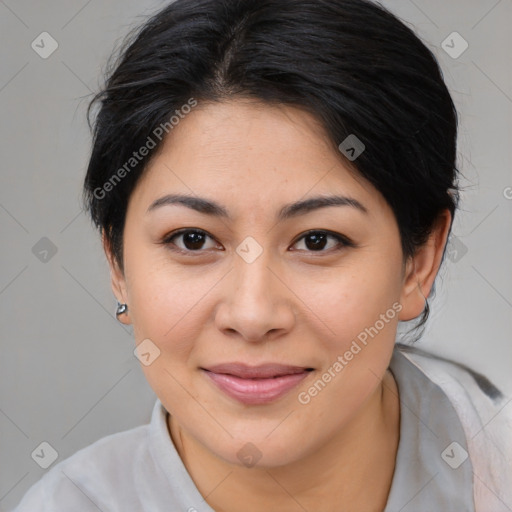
[(248, 152)]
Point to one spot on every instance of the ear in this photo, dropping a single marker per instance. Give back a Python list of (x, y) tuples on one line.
[(117, 279), (421, 269)]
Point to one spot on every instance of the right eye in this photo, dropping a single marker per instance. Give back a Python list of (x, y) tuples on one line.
[(188, 241)]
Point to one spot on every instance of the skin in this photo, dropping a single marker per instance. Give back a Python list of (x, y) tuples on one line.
[(292, 305)]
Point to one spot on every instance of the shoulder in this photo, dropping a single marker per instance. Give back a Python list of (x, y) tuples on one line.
[(86, 480), (486, 417), (465, 387)]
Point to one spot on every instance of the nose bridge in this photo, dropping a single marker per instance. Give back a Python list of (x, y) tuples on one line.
[(253, 278), (257, 302)]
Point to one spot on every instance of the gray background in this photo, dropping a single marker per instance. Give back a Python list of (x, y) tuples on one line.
[(68, 375)]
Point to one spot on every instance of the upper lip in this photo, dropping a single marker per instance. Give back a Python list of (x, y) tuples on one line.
[(263, 371)]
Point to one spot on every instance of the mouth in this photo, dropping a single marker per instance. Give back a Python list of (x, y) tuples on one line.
[(256, 385)]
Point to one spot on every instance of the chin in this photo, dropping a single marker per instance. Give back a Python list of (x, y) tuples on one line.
[(262, 455), (256, 448)]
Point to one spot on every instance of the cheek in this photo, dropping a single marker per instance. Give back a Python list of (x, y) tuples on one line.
[(353, 299), (170, 302), (358, 312), (167, 309)]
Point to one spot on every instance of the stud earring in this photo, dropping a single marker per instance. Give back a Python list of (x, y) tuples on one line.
[(121, 309)]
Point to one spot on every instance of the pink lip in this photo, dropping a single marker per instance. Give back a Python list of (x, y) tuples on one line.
[(254, 385)]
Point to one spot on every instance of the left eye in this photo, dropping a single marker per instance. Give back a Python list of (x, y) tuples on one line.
[(321, 241)]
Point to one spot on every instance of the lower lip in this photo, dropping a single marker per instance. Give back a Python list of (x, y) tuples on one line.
[(256, 391)]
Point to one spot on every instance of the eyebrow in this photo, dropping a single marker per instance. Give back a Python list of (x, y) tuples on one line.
[(209, 207)]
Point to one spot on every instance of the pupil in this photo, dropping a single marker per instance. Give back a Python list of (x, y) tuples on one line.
[(318, 241), (193, 240)]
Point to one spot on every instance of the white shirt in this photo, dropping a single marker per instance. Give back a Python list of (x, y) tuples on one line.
[(454, 454)]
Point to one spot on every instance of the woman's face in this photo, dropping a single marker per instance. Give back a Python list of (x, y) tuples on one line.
[(265, 317)]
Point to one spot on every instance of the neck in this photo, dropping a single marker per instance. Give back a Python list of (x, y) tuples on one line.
[(355, 466)]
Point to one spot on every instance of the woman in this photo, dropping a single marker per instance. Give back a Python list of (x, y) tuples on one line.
[(275, 183)]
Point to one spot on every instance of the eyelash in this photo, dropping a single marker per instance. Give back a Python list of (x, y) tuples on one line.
[(342, 240)]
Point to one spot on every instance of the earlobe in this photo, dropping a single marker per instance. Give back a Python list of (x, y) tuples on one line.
[(422, 267), (122, 309)]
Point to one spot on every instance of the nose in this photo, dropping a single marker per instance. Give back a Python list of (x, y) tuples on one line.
[(257, 305)]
